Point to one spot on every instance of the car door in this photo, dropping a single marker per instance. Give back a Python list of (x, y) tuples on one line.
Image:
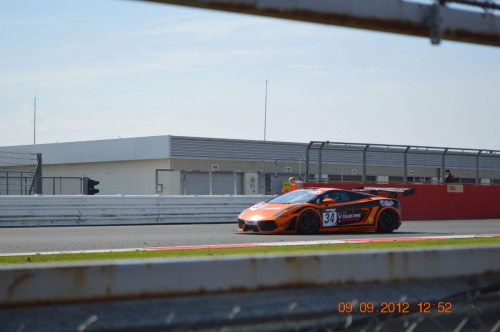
[(350, 209)]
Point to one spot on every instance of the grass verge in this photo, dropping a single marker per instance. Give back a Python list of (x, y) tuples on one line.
[(144, 254)]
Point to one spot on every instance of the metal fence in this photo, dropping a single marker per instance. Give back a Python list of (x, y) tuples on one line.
[(63, 185), (17, 183), (26, 183), (20, 173), (348, 162)]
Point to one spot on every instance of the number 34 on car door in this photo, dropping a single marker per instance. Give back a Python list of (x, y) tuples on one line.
[(329, 218)]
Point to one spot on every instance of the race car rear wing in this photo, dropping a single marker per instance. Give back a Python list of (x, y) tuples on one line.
[(393, 192)]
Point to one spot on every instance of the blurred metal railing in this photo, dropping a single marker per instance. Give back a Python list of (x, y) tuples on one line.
[(411, 290), (428, 18)]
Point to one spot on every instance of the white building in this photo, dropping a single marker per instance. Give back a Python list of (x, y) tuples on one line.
[(196, 165), (177, 165)]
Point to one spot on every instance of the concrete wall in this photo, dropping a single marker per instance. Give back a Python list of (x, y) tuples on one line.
[(135, 177), (439, 201)]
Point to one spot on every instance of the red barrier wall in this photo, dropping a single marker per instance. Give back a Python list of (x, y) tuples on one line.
[(439, 201)]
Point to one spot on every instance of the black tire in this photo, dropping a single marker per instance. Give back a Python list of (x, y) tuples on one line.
[(388, 221), (308, 222)]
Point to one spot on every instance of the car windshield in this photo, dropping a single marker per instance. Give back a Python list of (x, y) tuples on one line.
[(296, 196)]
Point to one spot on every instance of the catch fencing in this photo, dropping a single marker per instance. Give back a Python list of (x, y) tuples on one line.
[(355, 162), (17, 183), (62, 185), (26, 183), (20, 173), (21, 211)]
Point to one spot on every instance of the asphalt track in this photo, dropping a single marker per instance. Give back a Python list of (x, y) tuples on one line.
[(50, 239)]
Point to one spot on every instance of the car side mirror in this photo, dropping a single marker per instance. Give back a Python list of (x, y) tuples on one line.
[(328, 201)]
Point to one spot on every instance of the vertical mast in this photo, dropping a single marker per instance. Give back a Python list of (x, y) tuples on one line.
[(265, 108), (34, 124)]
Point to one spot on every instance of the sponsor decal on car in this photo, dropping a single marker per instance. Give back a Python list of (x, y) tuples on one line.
[(351, 217), (258, 206), (386, 203)]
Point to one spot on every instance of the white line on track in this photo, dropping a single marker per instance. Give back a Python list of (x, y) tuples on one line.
[(267, 244)]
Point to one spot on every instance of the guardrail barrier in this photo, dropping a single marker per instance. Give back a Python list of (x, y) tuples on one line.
[(430, 202), (16, 211), (411, 290)]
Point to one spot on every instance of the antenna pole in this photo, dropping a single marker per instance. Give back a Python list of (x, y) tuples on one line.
[(265, 108), (34, 124)]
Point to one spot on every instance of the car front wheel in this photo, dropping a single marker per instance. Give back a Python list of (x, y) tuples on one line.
[(308, 222)]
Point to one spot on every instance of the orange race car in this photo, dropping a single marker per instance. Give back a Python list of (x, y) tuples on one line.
[(314, 210)]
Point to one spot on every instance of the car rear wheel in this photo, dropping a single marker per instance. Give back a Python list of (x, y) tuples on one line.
[(387, 221), (308, 222)]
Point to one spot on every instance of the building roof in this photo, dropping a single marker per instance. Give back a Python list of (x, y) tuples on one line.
[(182, 147), (160, 147), (140, 148)]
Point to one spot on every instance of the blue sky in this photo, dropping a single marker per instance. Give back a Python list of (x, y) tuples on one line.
[(103, 69)]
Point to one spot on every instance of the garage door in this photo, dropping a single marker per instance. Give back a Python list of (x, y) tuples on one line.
[(222, 183), (197, 183)]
